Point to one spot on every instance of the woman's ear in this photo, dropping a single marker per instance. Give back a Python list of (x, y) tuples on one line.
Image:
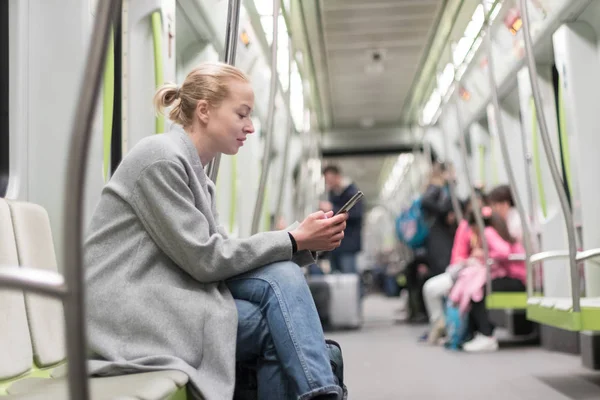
[(203, 111)]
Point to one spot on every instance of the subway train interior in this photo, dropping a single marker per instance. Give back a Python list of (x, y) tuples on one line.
[(489, 106)]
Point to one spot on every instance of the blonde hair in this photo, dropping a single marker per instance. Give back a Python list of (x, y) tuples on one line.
[(209, 81)]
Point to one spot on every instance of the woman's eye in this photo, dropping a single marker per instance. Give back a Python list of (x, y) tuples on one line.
[(242, 116)]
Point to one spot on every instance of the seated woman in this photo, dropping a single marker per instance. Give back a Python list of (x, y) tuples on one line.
[(167, 289), (501, 201), (507, 276)]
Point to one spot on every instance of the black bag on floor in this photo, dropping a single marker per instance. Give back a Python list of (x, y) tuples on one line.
[(246, 387), (337, 363), (322, 296)]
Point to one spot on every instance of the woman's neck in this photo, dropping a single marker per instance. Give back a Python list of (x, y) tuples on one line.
[(202, 143)]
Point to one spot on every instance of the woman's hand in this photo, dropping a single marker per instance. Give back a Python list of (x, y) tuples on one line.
[(320, 231)]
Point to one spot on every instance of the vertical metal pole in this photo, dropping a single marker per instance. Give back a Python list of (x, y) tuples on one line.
[(533, 221), (231, 39), (474, 202), (266, 161), (554, 171), (506, 155), (288, 138), (74, 304), (451, 183)]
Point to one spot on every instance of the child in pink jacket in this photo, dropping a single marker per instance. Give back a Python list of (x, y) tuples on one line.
[(507, 276)]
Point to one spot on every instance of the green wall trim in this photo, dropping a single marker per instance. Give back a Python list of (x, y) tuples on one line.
[(180, 394), (564, 137), (506, 300), (536, 159), (233, 203), (108, 98), (265, 211), (34, 372), (158, 62)]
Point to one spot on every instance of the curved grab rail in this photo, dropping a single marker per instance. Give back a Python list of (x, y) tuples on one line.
[(549, 255), (266, 160), (39, 281), (556, 254), (538, 257), (588, 254), (554, 171), (506, 155), (231, 39)]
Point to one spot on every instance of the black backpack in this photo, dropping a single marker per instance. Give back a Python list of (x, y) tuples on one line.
[(337, 363)]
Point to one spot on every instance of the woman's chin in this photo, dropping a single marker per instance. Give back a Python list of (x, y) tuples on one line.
[(231, 151)]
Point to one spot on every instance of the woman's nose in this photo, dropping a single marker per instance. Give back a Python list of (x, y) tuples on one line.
[(249, 128)]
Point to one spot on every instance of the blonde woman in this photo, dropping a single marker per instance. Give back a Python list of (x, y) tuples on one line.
[(167, 289)]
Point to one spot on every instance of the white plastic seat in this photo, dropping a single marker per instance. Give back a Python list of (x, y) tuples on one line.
[(15, 344), (35, 246), (36, 324), (145, 386)]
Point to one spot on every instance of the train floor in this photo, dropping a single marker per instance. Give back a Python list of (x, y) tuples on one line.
[(384, 361)]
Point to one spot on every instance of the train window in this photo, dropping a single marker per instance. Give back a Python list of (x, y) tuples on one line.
[(116, 145), (4, 154)]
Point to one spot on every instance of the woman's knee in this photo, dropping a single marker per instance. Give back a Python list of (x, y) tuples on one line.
[(429, 288), (285, 274)]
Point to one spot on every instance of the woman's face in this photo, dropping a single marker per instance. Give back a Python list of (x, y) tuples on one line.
[(501, 208), (228, 124)]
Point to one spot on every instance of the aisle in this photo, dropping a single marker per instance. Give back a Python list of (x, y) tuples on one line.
[(384, 361)]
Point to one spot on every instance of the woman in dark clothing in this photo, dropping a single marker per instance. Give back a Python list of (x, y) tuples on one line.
[(437, 205)]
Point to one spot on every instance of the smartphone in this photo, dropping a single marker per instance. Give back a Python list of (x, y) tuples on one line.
[(351, 203)]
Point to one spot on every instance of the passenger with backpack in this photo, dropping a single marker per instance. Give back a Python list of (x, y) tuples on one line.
[(428, 226)]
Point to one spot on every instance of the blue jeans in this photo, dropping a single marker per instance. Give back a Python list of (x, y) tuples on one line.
[(343, 262), (278, 325)]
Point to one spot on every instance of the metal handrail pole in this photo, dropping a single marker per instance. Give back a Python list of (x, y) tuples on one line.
[(267, 151), (288, 138), (231, 39), (74, 302), (512, 181), (552, 164)]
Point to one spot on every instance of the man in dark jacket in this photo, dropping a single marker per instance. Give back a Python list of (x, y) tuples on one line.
[(340, 190)]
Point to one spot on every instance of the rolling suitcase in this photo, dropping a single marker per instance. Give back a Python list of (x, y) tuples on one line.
[(344, 299)]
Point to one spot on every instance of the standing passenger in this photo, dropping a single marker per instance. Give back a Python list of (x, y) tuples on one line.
[(437, 205), (168, 289), (341, 189)]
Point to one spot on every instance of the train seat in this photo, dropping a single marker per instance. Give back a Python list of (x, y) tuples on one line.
[(32, 344)]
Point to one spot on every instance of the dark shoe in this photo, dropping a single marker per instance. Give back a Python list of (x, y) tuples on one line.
[(246, 383), (418, 319)]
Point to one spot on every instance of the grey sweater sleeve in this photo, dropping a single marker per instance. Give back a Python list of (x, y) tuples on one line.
[(166, 207)]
